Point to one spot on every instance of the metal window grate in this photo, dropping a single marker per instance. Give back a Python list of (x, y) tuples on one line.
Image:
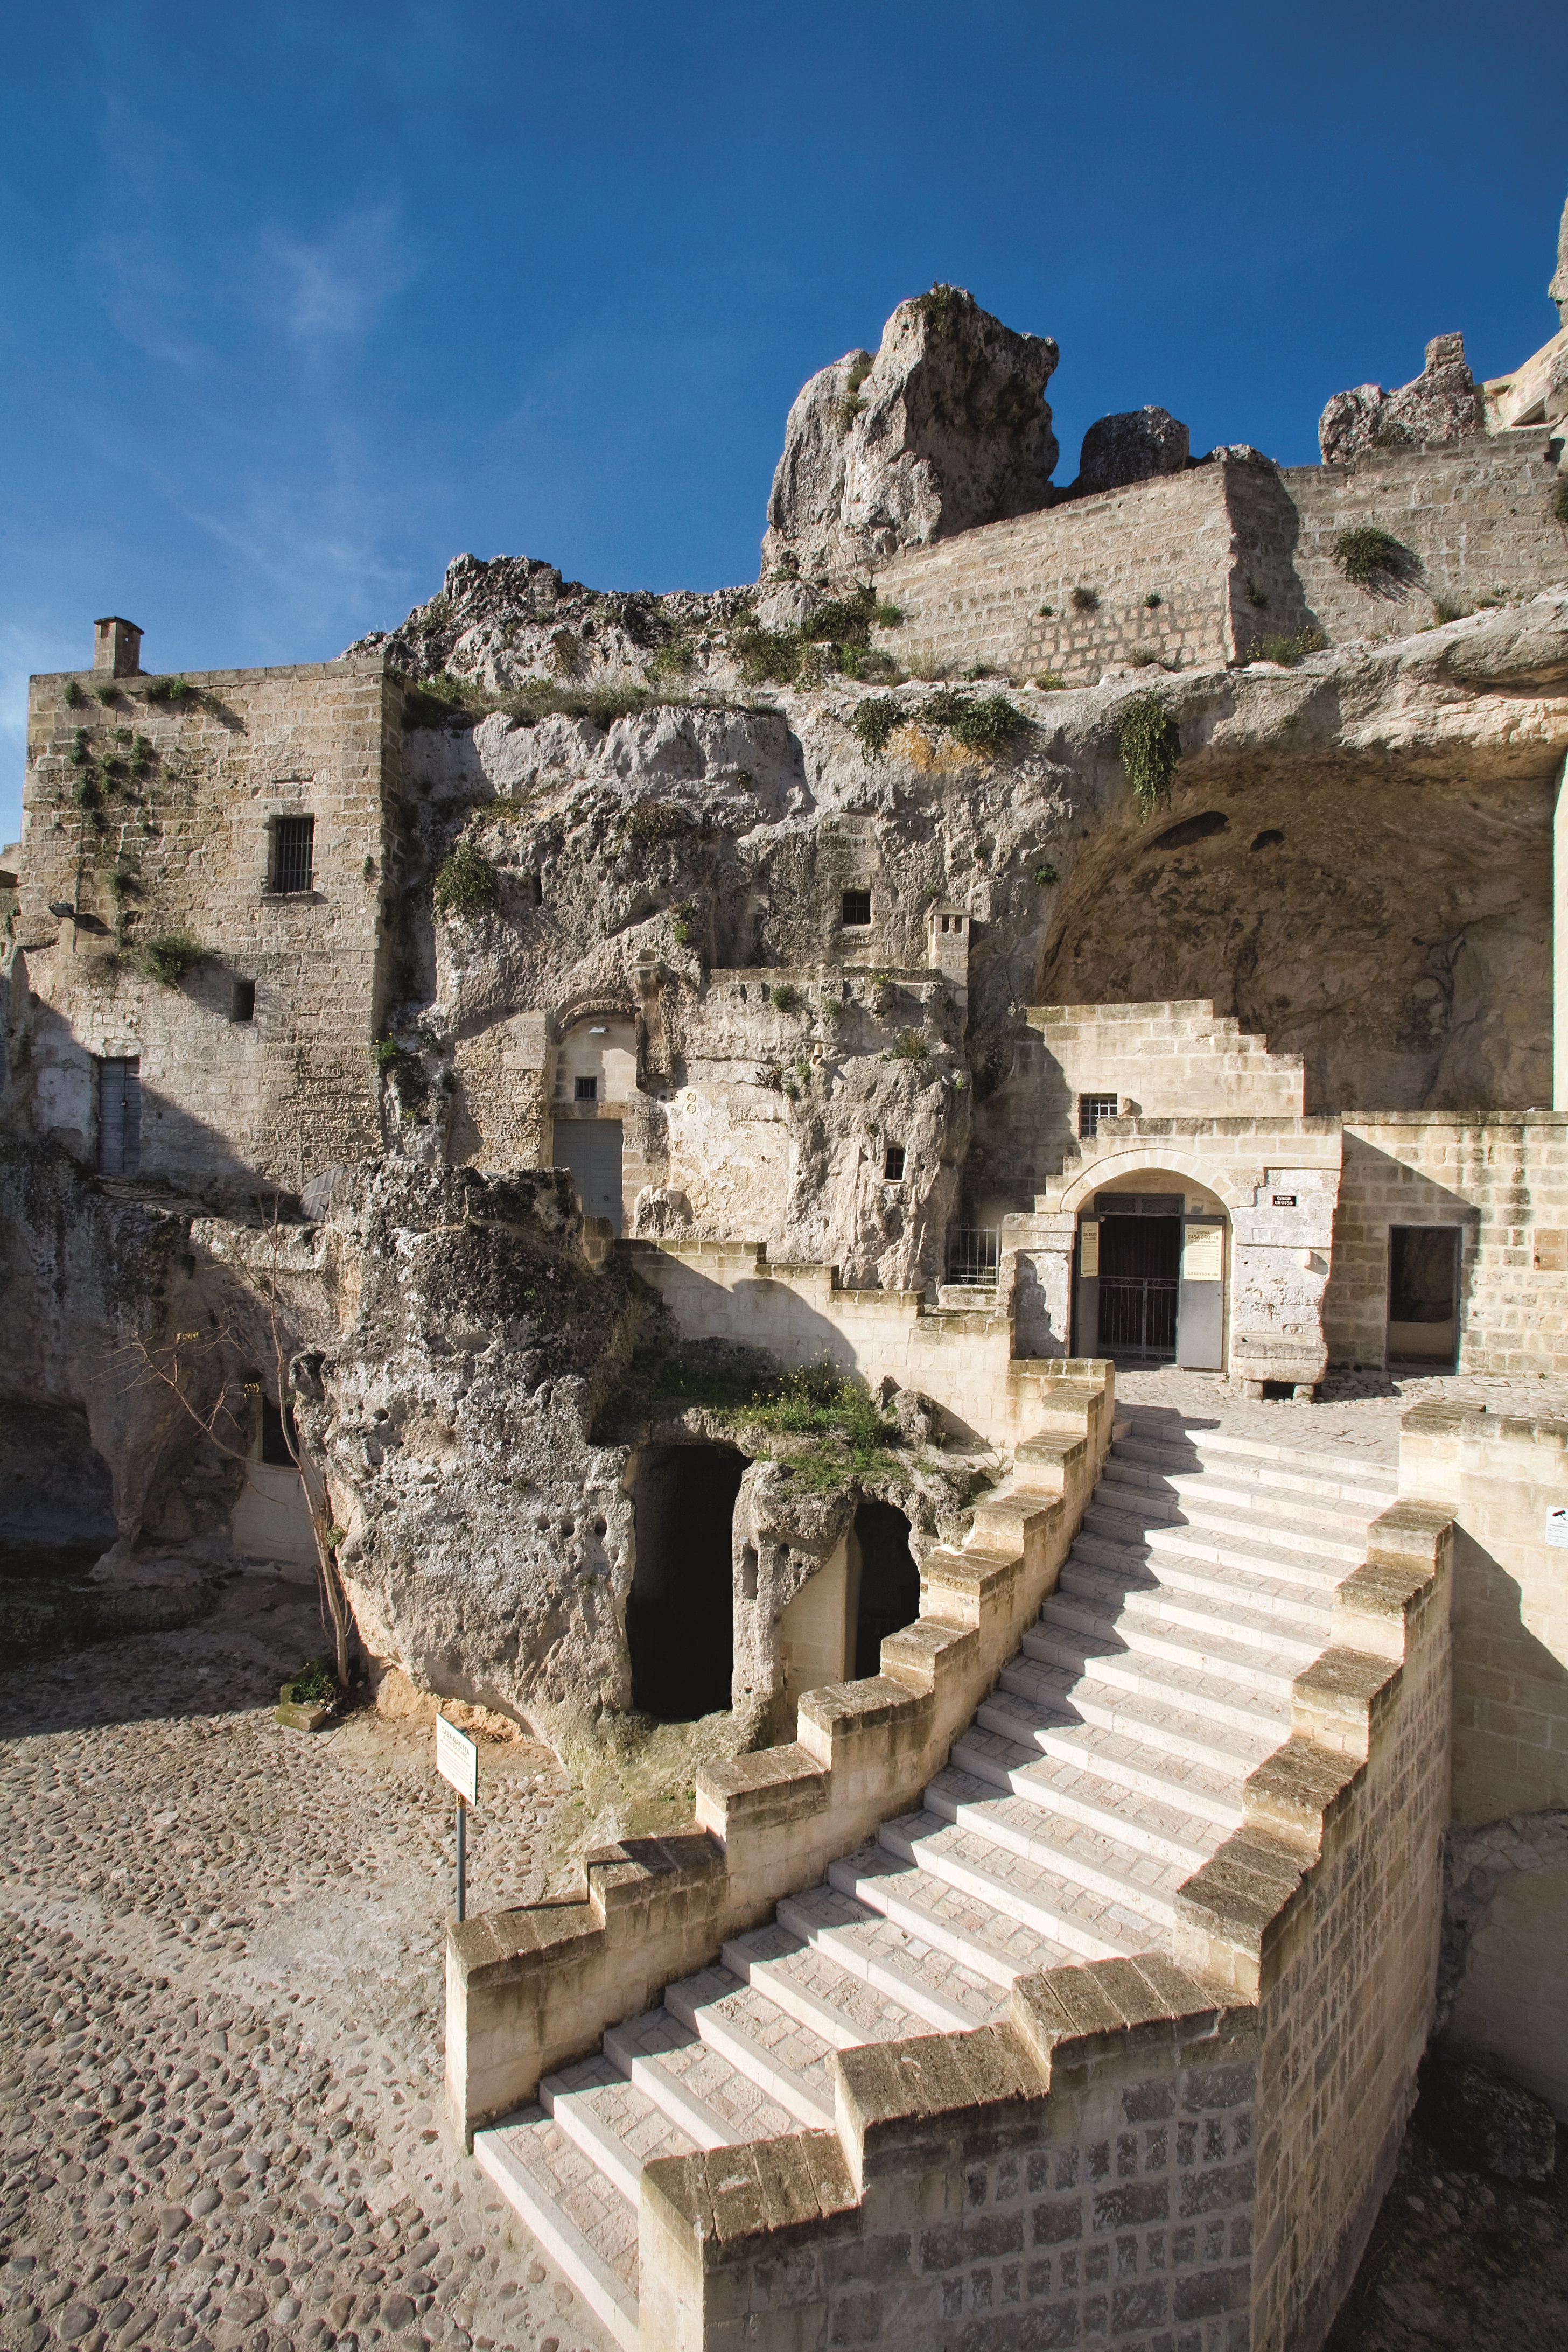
[(972, 1252), (856, 909), (893, 1163), (587, 1090), (119, 1116), (1091, 1109), (293, 850)]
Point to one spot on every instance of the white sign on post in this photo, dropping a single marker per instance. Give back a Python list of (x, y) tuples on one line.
[(457, 1760), (1557, 1530)]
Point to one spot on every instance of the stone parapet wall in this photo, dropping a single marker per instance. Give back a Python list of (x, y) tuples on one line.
[(1501, 1178), (1149, 2150), (1236, 549), (531, 1988), (184, 847)]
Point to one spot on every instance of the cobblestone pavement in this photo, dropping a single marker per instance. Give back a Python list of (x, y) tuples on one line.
[(1358, 1412), (220, 2031)]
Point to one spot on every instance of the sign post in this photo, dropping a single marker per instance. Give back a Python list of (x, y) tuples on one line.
[(458, 1760)]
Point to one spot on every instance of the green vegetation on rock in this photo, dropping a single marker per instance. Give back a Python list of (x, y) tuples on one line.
[(1150, 743)]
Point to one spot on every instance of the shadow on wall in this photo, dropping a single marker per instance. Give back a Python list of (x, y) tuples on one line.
[(1377, 1194), (887, 1596), (55, 1486), (1510, 1698)]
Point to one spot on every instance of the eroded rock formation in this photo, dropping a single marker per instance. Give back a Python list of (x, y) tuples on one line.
[(945, 428), (1443, 403)]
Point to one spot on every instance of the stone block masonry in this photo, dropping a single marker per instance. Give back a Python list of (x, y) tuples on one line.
[(146, 814), (1235, 551)]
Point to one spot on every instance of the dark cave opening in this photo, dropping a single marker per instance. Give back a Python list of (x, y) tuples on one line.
[(679, 1611), (889, 1594)]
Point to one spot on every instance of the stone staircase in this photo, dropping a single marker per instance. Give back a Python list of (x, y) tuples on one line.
[(1105, 1767)]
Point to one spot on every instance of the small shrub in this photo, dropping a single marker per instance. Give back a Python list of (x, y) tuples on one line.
[(1150, 743), (833, 1008), (672, 659), (1049, 683), (911, 1047), (107, 691), (1048, 612), (1560, 503), (653, 821), (171, 690), (939, 309), (1443, 611), (986, 725), (1143, 658), (313, 1685), (75, 698), (978, 670), (768, 656), (849, 404), (1153, 599), (1372, 559), (171, 956), (465, 885), (874, 722), (427, 701), (889, 616), (680, 929), (842, 620), (384, 1053), (1287, 650), (1084, 600), (1045, 876), (1256, 594), (80, 751), (786, 997)]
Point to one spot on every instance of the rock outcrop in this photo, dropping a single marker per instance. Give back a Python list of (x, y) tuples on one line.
[(1443, 403), (945, 428), (1558, 291), (1131, 448)]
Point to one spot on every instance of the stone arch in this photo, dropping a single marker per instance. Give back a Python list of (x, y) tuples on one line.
[(1147, 1159)]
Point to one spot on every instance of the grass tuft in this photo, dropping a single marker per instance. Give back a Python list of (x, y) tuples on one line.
[(1373, 560), (1287, 650), (465, 885), (169, 956)]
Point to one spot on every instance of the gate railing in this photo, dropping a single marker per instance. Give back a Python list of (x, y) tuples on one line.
[(974, 1253), (1137, 1314)]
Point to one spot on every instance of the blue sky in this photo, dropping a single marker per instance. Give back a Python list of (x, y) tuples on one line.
[(298, 302)]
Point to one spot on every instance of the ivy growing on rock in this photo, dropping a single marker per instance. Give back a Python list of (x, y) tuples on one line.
[(1150, 743)]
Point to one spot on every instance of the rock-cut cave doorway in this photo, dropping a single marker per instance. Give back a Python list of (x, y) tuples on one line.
[(681, 1609), (888, 1591)]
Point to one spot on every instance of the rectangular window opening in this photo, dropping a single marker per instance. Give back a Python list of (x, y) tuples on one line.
[(587, 1090), (1091, 1109), (893, 1163), (242, 1001), (276, 1429), (120, 1116), (293, 854), (856, 909)]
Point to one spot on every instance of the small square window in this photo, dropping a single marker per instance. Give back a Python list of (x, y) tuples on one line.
[(293, 854), (1091, 1109), (242, 1001), (856, 909), (587, 1090), (893, 1163)]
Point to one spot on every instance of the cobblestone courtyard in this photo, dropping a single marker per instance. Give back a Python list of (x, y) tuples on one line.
[(220, 2029)]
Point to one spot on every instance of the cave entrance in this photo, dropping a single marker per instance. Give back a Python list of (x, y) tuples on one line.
[(887, 1594), (681, 1609)]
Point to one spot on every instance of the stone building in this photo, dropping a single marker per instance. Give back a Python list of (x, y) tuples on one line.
[(1033, 931)]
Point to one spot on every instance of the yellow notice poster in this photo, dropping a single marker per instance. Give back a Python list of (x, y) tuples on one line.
[(1088, 1245)]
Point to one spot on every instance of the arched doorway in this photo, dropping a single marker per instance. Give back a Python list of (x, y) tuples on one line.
[(681, 1609), (888, 1593), (1150, 1274)]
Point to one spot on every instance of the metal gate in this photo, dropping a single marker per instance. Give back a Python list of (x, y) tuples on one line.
[(1137, 1314), (1139, 1267)]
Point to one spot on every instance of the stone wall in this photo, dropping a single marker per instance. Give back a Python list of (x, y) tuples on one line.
[(1500, 1178), (1236, 550), (178, 838), (1499, 1477)]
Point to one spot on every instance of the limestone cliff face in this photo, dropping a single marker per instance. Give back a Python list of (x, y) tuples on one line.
[(946, 427), (1443, 403)]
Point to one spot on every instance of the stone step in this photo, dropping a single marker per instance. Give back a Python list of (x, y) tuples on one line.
[(1187, 1616), (1291, 1468), (790, 2062), (1298, 1607), (1204, 1718), (694, 2083), (1166, 1493), (1198, 1776), (1246, 1549), (1257, 1536), (583, 2223), (948, 1994), (1310, 1581), (1079, 1793), (1084, 1920), (1079, 1851), (1132, 1651), (615, 2125), (994, 1942), (814, 1987)]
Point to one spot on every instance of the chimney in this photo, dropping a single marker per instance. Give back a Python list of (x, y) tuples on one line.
[(116, 646)]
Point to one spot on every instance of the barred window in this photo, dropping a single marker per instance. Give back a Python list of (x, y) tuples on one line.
[(893, 1163), (293, 853), (120, 1116), (587, 1090), (856, 909), (1091, 1109)]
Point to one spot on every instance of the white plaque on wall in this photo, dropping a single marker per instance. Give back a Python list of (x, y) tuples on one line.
[(1203, 1253)]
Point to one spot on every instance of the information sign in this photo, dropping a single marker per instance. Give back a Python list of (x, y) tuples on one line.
[(1557, 1530), (457, 1760)]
